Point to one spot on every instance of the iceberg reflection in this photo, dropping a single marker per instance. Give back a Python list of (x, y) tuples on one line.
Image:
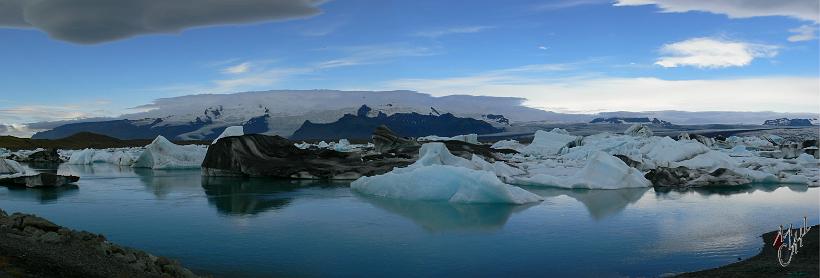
[(437, 216)]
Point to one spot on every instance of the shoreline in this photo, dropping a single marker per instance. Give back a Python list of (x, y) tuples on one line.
[(765, 264), (31, 246)]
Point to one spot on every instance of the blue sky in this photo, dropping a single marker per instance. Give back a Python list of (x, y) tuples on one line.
[(567, 56)]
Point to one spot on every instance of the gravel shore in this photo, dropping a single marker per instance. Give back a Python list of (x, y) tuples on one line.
[(32, 246), (765, 264)]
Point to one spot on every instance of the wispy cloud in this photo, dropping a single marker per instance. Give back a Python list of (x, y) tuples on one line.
[(801, 9), (237, 69), (713, 53), (565, 4), (804, 33), (452, 31), (260, 75), (574, 94)]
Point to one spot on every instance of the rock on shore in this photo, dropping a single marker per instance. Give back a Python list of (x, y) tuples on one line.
[(32, 246)]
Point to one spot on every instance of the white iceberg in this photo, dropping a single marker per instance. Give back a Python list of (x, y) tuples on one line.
[(507, 145), (640, 130), (602, 171), (123, 156), (548, 143), (236, 130), (467, 138), (11, 168), (162, 154), (438, 175), (443, 183), (342, 146)]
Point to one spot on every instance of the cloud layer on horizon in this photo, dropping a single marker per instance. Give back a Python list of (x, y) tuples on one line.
[(97, 21)]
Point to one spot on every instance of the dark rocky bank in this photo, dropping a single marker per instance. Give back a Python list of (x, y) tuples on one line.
[(806, 263), (32, 246)]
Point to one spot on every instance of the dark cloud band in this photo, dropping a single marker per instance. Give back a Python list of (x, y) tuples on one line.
[(96, 21)]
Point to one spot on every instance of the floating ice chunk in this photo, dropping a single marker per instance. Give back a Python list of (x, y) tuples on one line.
[(467, 138), (709, 160), (342, 146), (323, 145), (236, 130), (740, 150), (602, 171), (162, 154), (795, 179), (436, 153), (507, 145), (500, 169), (548, 143), (89, 156), (443, 183), (666, 150), (11, 168), (303, 145), (806, 159), (640, 130)]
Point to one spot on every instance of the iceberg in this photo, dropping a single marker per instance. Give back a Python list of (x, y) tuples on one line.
[(114, 156), (236, 130), (507, 145), (639, 130), (162, 154), (438, 175), (342, 146), (549, 143), (602, 171), (11, 168), (467, 138), (443, 183)]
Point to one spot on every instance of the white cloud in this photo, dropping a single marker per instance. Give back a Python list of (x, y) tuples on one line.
[(801, 9), (96, 21), (16, 130), (564, 4), (237, 69), (602, 93), (713, 53), (452, 30), (803, 33), (40, 113)]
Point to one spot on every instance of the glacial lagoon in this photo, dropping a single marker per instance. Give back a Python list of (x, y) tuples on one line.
[(234, 227)]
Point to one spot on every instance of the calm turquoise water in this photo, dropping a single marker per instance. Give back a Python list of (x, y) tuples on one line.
[(260, 227)]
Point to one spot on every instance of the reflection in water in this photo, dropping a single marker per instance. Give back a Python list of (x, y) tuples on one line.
[(599, 203), (444, 216), (675, 193), (43, 195), (163, 182), (98, 170), (248, 196)]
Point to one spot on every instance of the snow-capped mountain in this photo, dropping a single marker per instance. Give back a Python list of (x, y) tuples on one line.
[(197, 117)]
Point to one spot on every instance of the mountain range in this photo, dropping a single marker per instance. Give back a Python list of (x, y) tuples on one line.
[(282, 112)]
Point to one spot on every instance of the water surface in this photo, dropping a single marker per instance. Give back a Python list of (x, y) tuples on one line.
[(262, 227)]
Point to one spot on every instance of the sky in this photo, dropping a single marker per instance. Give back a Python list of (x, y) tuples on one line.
[(69, 59)]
